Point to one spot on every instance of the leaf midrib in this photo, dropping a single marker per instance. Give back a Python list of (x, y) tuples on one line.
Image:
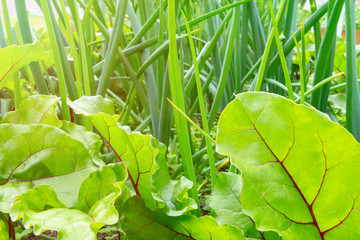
[(315, 223)]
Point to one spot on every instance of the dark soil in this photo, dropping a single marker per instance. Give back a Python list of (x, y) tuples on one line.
[(101, 236), (48, 233)]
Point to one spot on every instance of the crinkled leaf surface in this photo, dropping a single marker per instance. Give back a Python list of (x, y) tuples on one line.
[(15, 57), (226, 206), (300, 171), (100, 184), (41, 209), (36, 109), (170, 193), (98, 193), (43, 154), (92, 105), (145, 157), (142, 223)]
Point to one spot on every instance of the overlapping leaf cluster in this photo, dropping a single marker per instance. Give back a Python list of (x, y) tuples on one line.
[(52, 176), (296, 182)]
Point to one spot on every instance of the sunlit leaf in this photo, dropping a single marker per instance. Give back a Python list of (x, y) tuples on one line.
[(91, 141), (300, 170), (92, 105), (36, 109), (147, 168), (41, 208), (226, 206), (15, 57), (43, 154), (142, 223)]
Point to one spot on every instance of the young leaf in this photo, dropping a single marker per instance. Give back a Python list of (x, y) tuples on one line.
[(147, 167), (17, 57), (91, 141), (92, 105), (9, 191), (142, 223), (296, 166), (42, 209), (43, 154), (100, 184), (226, 206), (36, 109)]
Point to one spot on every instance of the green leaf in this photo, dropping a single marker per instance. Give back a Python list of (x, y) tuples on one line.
[(100, 191), (43, 154), (17, 57), (171, 193), (91, 141), (4, 227), (147, 167), (98, 194), (100, 184), (36, 109), (9, 191), (299, 169), (41, 209), (92, 105), (142, 223), (226, 206)]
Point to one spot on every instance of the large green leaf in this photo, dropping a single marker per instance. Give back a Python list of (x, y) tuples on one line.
[(43, 154), (142, 154), (36, 109), (98, 193), (300, 171), (142, 223), (41, 209), (15, 57), (147, 167), (226, 206)]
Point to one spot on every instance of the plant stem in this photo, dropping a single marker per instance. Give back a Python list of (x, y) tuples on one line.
[(178, 98)]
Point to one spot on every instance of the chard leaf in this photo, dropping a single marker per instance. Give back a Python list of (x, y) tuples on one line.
[(171, 194), (43, 154), (41, 208), (142, 223), (17, 57), (9, 191), (92, 105), (147, 167), (91, 141), (100, 184), (4, 227), (226, 206), (300, 171), (36, 109)]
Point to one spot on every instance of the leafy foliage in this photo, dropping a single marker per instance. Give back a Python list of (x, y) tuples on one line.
[(39, 109), (225, 201), (90, 155), (148, 172), (291, 170), (17, 57), (142, 223)]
